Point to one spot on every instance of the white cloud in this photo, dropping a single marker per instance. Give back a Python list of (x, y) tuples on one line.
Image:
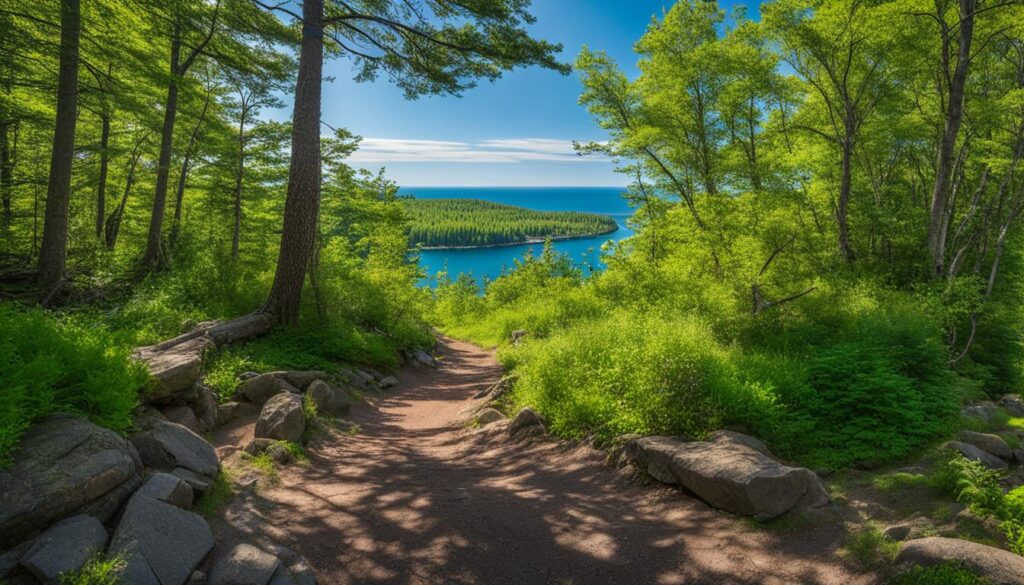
[(508, 151)]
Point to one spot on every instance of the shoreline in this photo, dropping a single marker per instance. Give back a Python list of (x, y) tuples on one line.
[(528, 242)]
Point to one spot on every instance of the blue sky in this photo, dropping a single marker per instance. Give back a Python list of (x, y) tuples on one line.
[(516, 131)]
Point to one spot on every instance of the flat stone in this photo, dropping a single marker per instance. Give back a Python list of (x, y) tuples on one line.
[(282, 418), (244, 565), (183, 416), (65, 546), (200, 484), (998, 566), (741, 439), (729, 475), (975, 454), (174, 368), (167, 540), (993, 444), (64, 465), (168, 488), (164, 446)]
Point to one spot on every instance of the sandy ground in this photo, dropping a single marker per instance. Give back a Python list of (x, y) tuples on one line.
[(416, 497)]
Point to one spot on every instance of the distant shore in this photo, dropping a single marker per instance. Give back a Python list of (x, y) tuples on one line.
[(527, 242)]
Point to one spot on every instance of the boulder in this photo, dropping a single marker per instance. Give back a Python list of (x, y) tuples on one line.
[(989, 443), (488, 416), (257, 446), (330, 400), (985, 411), (366, 376), (61, 466), (354, 379), (174, 365), (729, 475), (160, 540), (302, 379), (912, 528), (388, 382), (1013, 404), (247, 376), (526, 420), (259, 389), (199, 483), (996, 566), (974, 454), (228, 412), (164, 446), (423, 358), (754, 443), (244, 564), (206, 408), (65, 546), (183, 416), (168, 488), (282, 418)]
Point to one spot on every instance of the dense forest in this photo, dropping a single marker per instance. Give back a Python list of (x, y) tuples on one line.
[(146, 188), (440, 223)]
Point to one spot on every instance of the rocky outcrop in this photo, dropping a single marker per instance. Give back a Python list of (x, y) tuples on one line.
[(527, 421), (260, 389), (174, 365), (168, 488), (301, 379), (985, 410), (183, 416), (162, 543), (488, 416), (1013, 404), (729, 474), (282, 418), (207, 408), (64, 465), (167, 446), (997, 566), (244, 564), (993, 444), (65, 546), (330, 400), (974, 454)]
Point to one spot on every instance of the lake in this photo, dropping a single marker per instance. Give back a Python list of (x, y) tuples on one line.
[(489, 262)]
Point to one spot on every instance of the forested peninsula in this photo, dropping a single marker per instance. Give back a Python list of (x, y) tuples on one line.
[(471, 223)]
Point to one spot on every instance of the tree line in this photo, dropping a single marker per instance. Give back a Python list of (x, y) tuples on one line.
[(472, 222), (128, 129)]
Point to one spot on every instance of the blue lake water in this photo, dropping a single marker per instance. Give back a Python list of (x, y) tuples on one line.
[(490, 262)]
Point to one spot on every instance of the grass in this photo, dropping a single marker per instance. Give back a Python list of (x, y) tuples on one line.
[(99, 570), (870, 548), (899, 480), (219, 494), (945, 574)]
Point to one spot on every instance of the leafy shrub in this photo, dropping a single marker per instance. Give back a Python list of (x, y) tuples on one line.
[(52, 364), (98, 570)]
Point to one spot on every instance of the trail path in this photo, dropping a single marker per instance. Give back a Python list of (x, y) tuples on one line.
[(415, 497)]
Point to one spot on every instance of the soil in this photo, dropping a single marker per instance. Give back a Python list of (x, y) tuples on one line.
[(417, 496)]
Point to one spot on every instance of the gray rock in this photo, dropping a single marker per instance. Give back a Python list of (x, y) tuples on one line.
[(997, 566), (974, 454), (259, 389), (166, 540), (174, 365), (228, 412), (257, 446), (168, 488), (729, 475), (366, 376), (993, 444), (328, 399), (913, 528), (1013, 404), (302, 379), (10, 559), (282, 418), (244, 565), (65, 546), (754, 443), (183, 416), (164, 446), (488, 416), (64, 465), (283, 576), (517, 336), (388, 382), (526, 420), (354, 379), (423, 358), (985, 411), (200, 484), (247, 376), (206, 408), (1018, 455)]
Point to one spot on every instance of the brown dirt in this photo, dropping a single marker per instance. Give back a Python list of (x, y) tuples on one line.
[(416, 497)]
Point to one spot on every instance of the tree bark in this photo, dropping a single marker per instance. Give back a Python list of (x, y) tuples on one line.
[(152, 256), (6, 170), (101, 187), (113, 226), (239, 173), (186, 161), (54, 250), (842, 207), (302, 204), (938, 216)]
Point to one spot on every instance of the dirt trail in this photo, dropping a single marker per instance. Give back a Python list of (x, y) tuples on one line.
[(415, 497)]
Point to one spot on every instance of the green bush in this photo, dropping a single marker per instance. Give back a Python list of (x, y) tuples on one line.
[(945, 574), (99, 570), (52, 364)]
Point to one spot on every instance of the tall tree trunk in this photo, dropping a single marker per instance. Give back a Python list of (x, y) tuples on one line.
[(152, 256), (186, 161), (842, 208), (302, 205), (239, 172), (113, 226), (53, 254), (101, 187), (938, 217), (6, 169)]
